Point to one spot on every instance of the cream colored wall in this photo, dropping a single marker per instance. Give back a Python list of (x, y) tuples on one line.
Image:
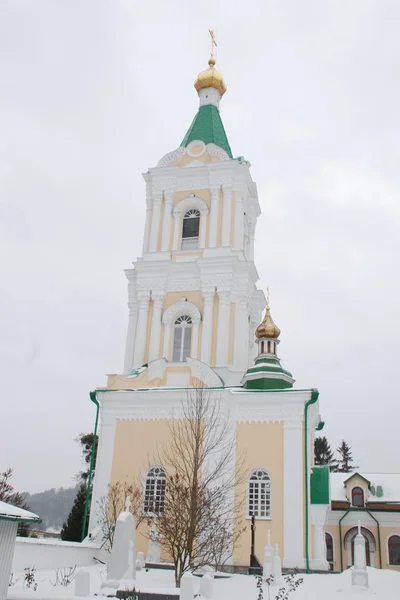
[(132, 458), (233, 217), (214, 332), (261, 445), (203, 194), (148, 331), (220, 212)]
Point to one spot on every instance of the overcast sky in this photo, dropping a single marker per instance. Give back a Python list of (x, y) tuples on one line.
[(93, 93)]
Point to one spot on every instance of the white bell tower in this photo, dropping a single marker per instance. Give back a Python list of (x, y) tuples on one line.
[(192, 293)]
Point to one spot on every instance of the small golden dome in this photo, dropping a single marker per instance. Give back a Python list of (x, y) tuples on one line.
[(267, 327), (210, 78)]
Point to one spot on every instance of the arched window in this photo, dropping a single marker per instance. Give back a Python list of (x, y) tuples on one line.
[(182, 338), (394, 550), (154, 492), (357, 497), (259, 494), (329, 548), (190, 229)]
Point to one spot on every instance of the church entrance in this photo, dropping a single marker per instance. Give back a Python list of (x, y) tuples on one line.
[(370, 546)]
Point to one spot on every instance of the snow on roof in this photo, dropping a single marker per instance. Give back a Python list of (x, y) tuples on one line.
[(389, 482), (8, 512)]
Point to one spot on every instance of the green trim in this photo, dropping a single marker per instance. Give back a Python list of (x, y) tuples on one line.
[(379, 536), (20, 520), (320, 485), (93, 398), (207, 126), (340, 539), (266, 383), (314, 398)]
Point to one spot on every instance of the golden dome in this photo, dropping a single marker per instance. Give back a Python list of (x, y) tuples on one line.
[(267, 327), (210, 78)]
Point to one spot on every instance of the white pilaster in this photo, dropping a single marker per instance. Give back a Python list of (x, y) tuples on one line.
[(130, 338), (177, 225), (167, 337), (202, 232), (252, 230), (318, 514), (155, 334), (214, 211), (195, 340), (146, 241), (293, 492), (239, 217), (241, 348), (104, 460), (166, 232), (140, 341), (206, 336), (155, 222), (226, 216), (223, 327)]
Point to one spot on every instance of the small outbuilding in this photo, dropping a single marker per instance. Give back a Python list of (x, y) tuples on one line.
[(10, 517)]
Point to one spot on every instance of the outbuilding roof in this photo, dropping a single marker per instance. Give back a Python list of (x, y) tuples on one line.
[(8, 512)]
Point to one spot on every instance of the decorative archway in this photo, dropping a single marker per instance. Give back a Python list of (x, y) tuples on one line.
[(370, 545), (181, 308)]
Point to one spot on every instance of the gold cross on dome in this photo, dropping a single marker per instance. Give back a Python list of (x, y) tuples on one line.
[(268, 297), (213, 42)]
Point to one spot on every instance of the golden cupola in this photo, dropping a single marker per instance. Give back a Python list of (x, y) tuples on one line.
[(267, 328), (210, 78)]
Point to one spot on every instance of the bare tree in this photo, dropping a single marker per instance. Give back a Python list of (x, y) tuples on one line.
[(200, 520), (111, 506)]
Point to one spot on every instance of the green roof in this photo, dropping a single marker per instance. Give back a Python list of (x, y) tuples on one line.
[(207, 126)]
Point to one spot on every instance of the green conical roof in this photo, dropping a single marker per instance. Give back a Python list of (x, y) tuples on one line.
[(207, 126)]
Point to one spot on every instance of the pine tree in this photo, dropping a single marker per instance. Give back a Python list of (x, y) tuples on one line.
[(72, 529), (345, 458), (323, 454)]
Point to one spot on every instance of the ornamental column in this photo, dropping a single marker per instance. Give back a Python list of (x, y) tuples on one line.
[(202, 232), (166, 232), (214, 211), (147, 225), (252, 230), (155, 334), (241, 349), (177, 224), (226, 216), (130, 338), (223, 327), (155, 222), (206, 336), (140, 341), (239, 218)]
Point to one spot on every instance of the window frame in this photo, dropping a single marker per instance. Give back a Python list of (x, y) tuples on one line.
[(390, 543), (149, 489), (357, 491), (255, 492), (193, 241), (183, 326)]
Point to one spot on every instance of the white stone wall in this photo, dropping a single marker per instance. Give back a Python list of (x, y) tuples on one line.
[(51, 554)]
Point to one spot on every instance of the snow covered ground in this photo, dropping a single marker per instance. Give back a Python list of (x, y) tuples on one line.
[(384, 585)]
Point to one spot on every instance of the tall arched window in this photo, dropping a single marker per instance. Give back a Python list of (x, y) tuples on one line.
[(394, 550), (182, 338), (357, 497), (259, 494), (329, 548), (154, 492), (190, 229)]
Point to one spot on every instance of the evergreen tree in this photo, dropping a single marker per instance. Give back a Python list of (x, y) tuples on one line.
[(345, 458), (11, 496), (323, 454), (72, 529)]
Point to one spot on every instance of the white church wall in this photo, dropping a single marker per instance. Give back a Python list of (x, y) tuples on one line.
[(52, 554)]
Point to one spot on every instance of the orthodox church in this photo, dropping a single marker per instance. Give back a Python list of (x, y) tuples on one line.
[(195, 319)]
